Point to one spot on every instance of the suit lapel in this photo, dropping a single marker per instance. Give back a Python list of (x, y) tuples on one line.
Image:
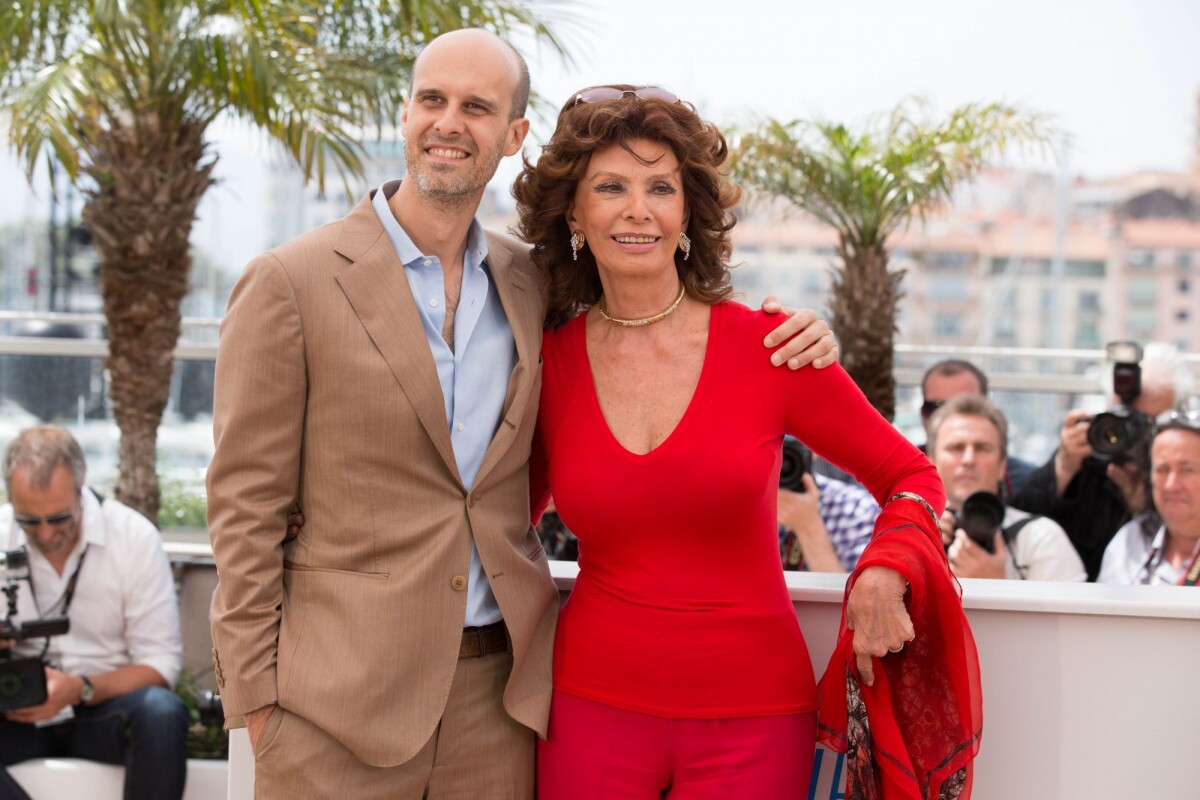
[(377, 288), (521, 301)]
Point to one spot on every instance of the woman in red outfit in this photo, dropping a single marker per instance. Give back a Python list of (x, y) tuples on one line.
[(680, 669)]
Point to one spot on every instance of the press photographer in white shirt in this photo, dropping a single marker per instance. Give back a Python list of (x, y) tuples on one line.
[(102, 565)]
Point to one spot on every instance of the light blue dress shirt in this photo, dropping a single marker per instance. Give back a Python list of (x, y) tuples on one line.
[(474, 375)]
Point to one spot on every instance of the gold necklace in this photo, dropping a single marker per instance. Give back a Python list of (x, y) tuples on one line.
[(639, 323)]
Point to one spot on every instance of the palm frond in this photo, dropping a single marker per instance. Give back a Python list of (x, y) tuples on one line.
[(868, 184)]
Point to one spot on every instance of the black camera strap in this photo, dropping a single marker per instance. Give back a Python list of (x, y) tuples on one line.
[(1010, 537), (68, 594)]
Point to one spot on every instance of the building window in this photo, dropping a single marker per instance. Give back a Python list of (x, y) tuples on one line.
[(1087, 335), (1141, 258), (1085, 269), (947, 324), (1143, 290), (1089, 301), (948, 288), (1184, 260), (948, 260), (1005, 331), (1182, 315), (1185, 286)]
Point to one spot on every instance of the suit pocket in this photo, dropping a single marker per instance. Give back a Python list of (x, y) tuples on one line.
[(294, 567), (270, 731)]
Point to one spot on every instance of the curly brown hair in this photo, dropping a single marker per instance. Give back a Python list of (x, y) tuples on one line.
[(544, 192)]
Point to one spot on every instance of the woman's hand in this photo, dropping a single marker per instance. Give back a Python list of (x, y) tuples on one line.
[(875, 612)]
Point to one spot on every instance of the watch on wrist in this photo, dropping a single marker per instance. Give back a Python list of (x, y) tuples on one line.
[(87, 691)]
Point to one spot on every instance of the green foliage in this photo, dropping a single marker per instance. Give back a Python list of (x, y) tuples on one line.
[(314, 74), (206, 738), (869, 182), (181, 507)]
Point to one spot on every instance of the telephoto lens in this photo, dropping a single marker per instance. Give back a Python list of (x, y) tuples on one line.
[(797, 460), (1115, 435), (981, 516)]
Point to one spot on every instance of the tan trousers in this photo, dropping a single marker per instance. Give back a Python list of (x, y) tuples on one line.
[(477, 752)]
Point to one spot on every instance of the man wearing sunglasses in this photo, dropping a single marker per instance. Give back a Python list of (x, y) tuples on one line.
[(951, 378), (384, 371), (102, 565)]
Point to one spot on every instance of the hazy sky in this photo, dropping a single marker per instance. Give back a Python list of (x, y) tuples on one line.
[(1119, 76)]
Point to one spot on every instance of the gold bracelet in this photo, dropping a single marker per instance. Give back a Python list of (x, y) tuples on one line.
[(919, 499)]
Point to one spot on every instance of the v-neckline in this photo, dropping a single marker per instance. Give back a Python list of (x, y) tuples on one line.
[(688, 412)]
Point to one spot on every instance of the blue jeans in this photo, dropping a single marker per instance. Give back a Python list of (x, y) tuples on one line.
[(144, 731)]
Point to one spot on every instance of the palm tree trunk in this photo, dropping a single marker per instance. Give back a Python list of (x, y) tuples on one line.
[(148, 182), (864, 295)]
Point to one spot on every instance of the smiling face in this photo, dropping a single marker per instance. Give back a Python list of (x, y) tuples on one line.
[(456, 124), (968, 457), (1175, 480), (631, 208)]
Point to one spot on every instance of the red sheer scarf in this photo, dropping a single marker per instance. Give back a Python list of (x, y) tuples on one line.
[(914, 733)]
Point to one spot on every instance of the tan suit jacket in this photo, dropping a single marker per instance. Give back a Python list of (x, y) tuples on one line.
[(326, 391)]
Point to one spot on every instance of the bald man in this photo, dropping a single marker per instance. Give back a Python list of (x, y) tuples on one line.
[(384, 371)]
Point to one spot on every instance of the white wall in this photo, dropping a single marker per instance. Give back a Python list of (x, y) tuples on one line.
[(1088, 691)]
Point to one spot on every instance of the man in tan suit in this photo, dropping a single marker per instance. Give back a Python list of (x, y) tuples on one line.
[(384, 371)]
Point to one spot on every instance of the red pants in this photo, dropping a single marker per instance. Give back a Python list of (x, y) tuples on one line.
[(595, 752)]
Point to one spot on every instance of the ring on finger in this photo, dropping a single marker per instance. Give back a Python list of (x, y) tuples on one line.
[(897, 649)]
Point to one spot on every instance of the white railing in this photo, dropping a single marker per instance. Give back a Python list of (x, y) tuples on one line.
[(905, 353)]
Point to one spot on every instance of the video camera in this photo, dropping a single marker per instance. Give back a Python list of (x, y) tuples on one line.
[(797, 460), (981, 515), (1114, 435), (22, 680)]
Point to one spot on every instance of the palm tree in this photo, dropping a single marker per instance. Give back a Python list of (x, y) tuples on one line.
[(122, 94), (867, 184)]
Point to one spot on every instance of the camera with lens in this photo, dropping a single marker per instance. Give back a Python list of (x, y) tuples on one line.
[(797, 460), (981, 515), (1115, 434), (22, 680)]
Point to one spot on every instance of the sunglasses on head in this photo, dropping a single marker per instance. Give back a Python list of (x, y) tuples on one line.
[(33, 524), (600, 94), (1178, 418)]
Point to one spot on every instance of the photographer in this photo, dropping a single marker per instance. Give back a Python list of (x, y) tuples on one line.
[(826, 527), (1163, 545), (101, 565), (986, 539), (1092, 498)]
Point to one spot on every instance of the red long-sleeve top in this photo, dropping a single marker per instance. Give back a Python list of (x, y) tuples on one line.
[(680, 608)]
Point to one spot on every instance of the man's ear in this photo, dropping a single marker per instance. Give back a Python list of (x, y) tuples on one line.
[(518, 129)]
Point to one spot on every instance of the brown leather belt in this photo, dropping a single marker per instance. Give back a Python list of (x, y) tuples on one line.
[(484, 641)]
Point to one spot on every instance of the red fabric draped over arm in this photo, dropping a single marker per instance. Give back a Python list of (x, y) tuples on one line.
[(925, 710)]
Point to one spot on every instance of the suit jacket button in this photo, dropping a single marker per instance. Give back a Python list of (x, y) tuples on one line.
[(458, 583)]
